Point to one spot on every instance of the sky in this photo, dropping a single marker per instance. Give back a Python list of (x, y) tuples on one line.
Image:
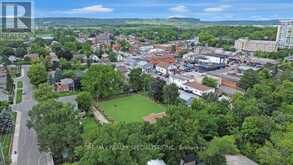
[(211, 10)]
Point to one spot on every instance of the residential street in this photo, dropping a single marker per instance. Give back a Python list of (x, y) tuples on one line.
[(25, 146)]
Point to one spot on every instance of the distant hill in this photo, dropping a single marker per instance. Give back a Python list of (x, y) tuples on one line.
[(75, 21), (179, 19), (244, 22)]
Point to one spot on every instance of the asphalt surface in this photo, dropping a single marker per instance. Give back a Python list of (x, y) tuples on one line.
[(26, 152)]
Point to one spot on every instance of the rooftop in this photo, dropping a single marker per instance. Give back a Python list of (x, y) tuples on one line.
[(163, 65), (181, 77), (158, 59), (198, 86), (66, 81)]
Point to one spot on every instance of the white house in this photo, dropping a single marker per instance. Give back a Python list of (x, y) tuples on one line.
[(197, 88), (179, 80), (164, 68)]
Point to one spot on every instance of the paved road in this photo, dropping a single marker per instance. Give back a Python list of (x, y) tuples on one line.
[(25, 141)]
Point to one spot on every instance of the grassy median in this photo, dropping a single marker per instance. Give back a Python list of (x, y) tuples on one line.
[(19, 91)]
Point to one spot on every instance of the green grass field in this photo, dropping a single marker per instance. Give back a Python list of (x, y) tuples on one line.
[(130, 108)]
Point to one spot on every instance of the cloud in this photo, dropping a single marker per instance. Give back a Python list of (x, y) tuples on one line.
[(179, 9), (91, 10), (219, 8)]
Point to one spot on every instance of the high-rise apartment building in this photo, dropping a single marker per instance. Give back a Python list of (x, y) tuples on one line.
[(285, 34)]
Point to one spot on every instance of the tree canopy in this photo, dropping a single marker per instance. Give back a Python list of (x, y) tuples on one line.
[(102, 81)]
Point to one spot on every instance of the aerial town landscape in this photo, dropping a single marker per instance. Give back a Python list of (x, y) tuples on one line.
[(143, 89)]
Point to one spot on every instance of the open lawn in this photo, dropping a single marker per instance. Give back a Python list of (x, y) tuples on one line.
[(130, 108)]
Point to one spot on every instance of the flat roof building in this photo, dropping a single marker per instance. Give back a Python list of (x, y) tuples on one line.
[(244, 44)]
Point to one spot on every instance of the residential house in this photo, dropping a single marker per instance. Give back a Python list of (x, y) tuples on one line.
[(197, 88), (64, 85), (165, 68), (179, 79), (145, 66)]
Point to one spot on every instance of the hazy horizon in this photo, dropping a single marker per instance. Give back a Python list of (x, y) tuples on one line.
[(208, 10)]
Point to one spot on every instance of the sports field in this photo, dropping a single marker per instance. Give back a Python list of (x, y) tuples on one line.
[(130, 108)]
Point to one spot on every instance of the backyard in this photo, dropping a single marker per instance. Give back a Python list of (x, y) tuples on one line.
[(130, 108)]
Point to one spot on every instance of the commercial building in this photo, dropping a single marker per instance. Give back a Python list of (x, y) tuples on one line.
[(285, 34), (206, 58), (244, 44)]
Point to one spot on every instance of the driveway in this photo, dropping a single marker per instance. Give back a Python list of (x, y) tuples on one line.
[(25, 150)]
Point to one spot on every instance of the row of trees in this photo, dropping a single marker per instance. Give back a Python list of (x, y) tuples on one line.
[(6, 123), (216, 36), (280, 54)]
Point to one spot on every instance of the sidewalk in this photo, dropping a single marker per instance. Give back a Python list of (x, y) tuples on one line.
[(14, 156), (99, 116)]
